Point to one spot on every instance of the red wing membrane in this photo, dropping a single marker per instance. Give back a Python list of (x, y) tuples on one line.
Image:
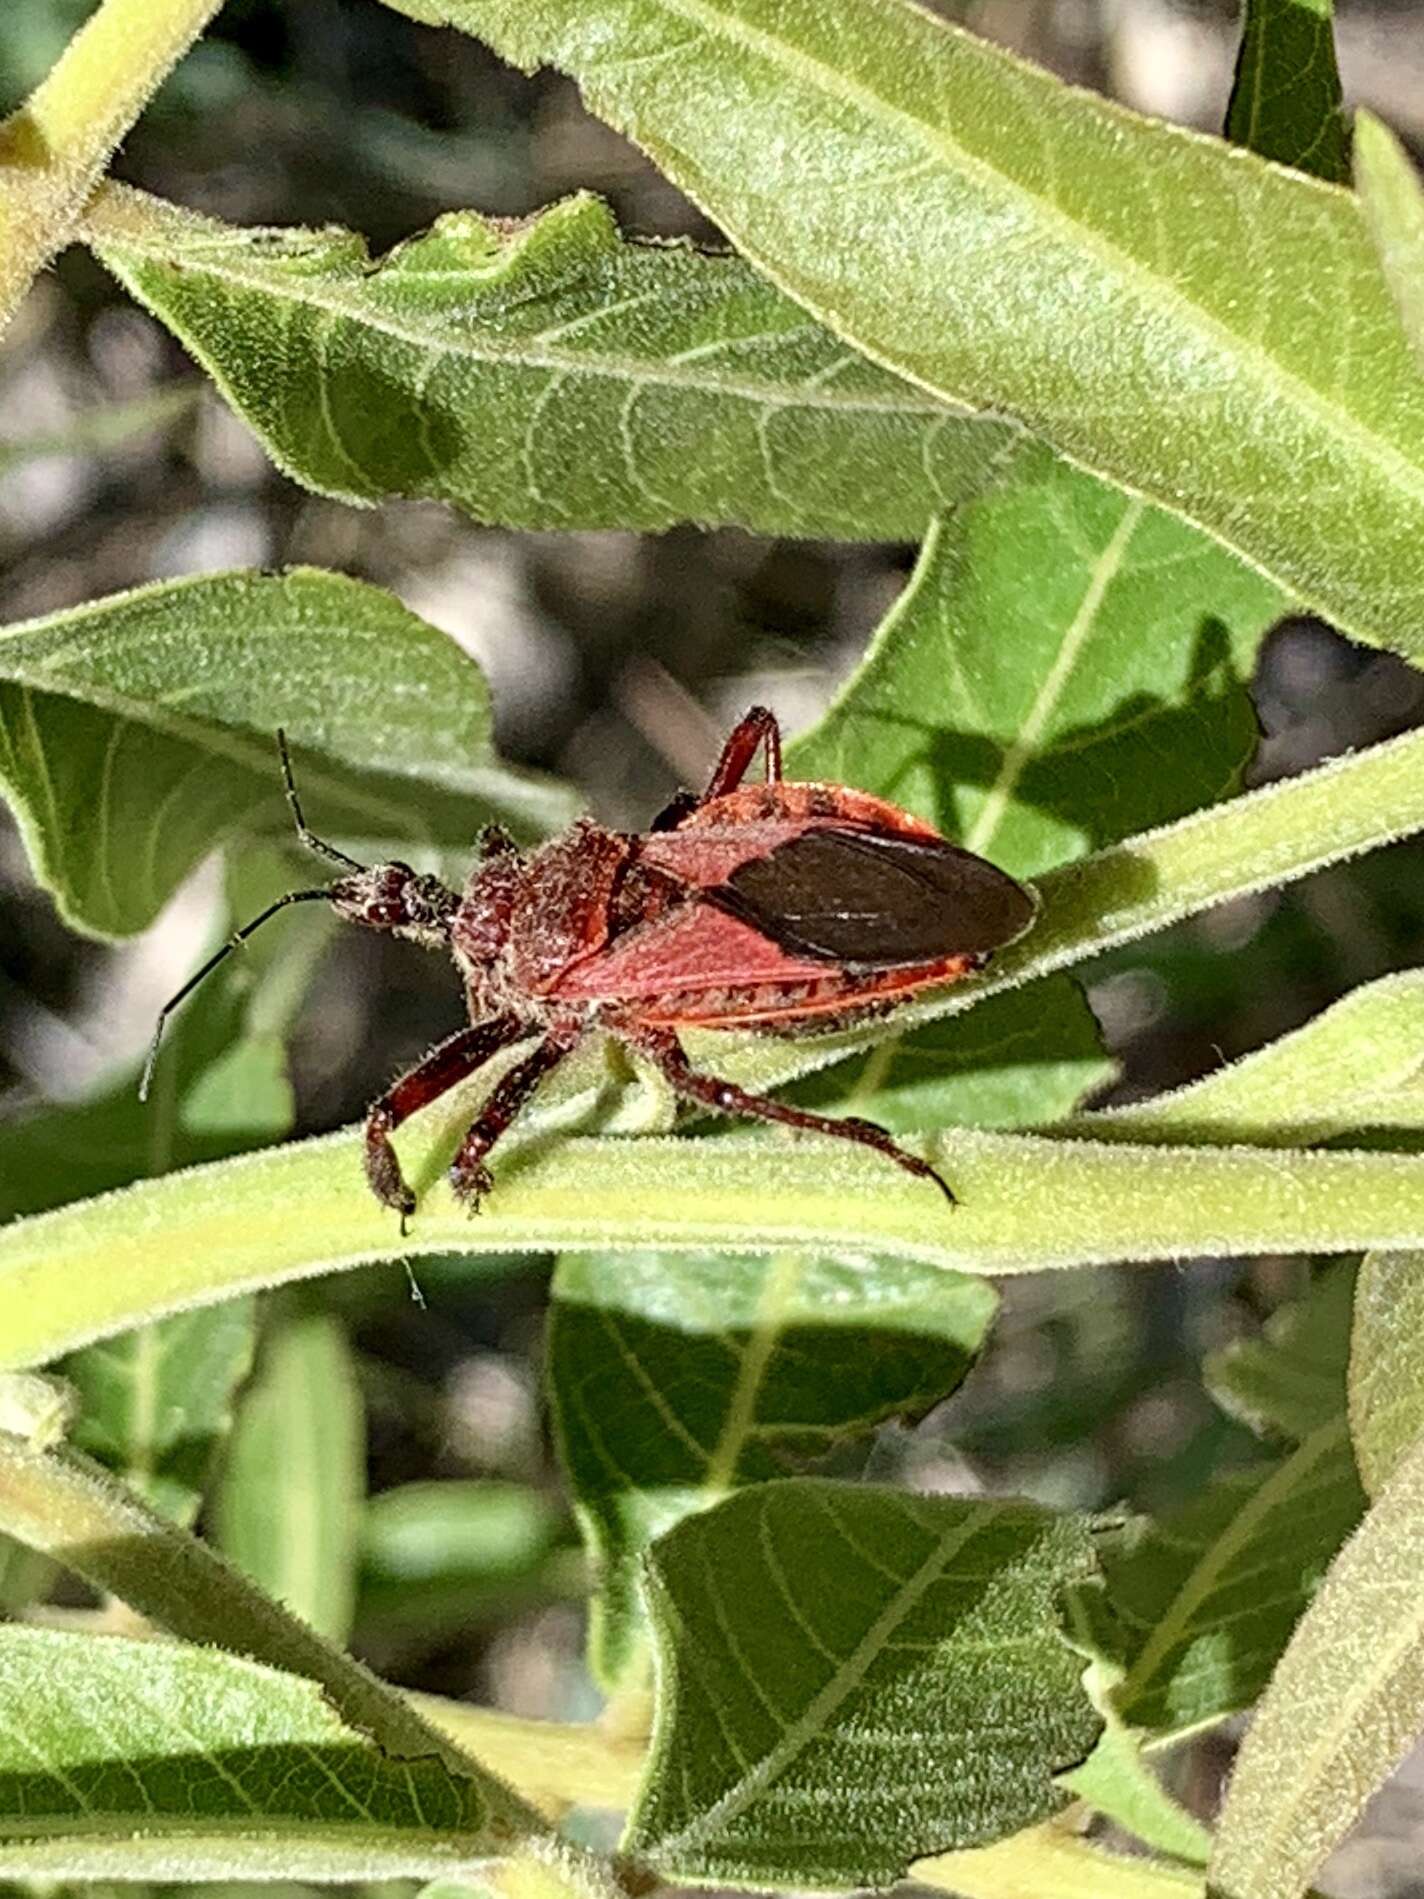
[(875, 900)]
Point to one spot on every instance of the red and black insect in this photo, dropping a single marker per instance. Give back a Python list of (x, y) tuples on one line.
[(780, 907)]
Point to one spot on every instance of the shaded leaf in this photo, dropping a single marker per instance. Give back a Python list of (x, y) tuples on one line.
[(1207, 1598), (136, 732), (1019, 245), (1290, 1380), (919, 1696), (1386, 1393), (288, 1508), (1064, 666), (677, 1378), (1286, 103), (1393, 202), (1344, 1706), (124, 1760), (548, 374), (1027, 1056), (158, 1401)]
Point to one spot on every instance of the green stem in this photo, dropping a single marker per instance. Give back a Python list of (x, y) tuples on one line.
[(54, 149)]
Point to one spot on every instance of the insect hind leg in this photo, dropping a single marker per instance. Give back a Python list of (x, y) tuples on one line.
[(662, 1047)]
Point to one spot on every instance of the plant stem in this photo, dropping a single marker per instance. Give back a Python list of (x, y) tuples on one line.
[(54, 149)]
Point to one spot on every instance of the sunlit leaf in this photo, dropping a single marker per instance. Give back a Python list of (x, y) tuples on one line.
[(136, 732), (1393, 201), (1285, 103), (1344, 1706), (549, 374), (1022, 246), (288, 1510), (1386, 1391), (132, 1760), (919, 1695), (676, 1379)]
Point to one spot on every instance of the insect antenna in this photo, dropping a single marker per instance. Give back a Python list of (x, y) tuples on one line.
[(235, 941), (304, 831)]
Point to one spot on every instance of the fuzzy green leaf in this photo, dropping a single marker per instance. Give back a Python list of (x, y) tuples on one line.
[(1290, 1380), (549, 374), (136, 732), (288, 1509), (1386, 1392), (1207, 1598), (1064, 667), (1357, 1065), (1018, 245), (920, 1696), (158, 1760), (1285, 103), (676, 1379), (1393, 201), (1344, 1706)]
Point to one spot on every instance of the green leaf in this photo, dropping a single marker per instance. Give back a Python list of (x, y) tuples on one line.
[(1041, 688), (1344, 1706), (157, 1403), (1018, 245), (1029, 1202), (1207, 1598), (440, 1558), (288, 1509), (920, 1696), (1393, 203), (1290, 1380), (548, 374), (159, 1760), (1386, 1391), (1285, 103), (1358, 1064), (678, 1378), (61, 1505), (122, 779), (1025, 1057)]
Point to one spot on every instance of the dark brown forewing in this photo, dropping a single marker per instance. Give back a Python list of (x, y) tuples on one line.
[(875, 899)]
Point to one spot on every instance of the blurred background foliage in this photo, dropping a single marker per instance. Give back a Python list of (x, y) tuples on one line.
[(616, 661)]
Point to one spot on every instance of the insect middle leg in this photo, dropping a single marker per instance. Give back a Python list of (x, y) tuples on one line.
[(662, 1047), (461, 1055), (469, 1176)]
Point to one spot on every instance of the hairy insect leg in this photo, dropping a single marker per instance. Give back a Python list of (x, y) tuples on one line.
[(757, 727), (461, 1055), (469, 1176), (662, 1047)]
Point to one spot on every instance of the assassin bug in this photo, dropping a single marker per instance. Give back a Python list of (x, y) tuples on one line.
[(782, 907)]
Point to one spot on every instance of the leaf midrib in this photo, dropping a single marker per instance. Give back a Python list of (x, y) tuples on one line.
[(1165, 296)]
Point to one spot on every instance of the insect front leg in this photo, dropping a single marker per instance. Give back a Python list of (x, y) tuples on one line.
[(469, 1176), (662, 1047), (461, 1055), (757, 727)]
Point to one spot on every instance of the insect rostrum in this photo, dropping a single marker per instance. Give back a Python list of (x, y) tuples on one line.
[(780, 907)]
